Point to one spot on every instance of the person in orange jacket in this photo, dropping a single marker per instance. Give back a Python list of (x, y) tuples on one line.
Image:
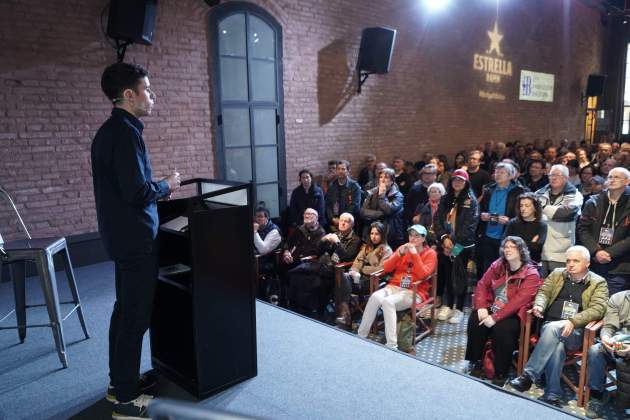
[(413, 261)]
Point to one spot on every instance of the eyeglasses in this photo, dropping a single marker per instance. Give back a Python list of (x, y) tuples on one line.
[(509, 246), (616, 178)]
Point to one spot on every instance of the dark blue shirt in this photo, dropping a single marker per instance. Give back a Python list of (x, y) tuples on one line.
[(126, 197)]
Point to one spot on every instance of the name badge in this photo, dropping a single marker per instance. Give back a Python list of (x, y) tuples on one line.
[(606, 235), (569, 309), (405, 282)]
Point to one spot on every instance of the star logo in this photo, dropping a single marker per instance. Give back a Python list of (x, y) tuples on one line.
[(495, 40)]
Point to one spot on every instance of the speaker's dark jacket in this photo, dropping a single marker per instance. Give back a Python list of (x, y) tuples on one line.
[(125, 195)]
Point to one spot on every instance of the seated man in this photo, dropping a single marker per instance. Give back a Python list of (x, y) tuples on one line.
[(569, 299), (266, 239), (616, 328), (303, 242), (311, 283)]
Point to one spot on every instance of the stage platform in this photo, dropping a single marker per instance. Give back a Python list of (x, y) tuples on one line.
[(306, 370)]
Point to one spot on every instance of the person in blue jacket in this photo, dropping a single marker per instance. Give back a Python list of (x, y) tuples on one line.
[(126, 208)]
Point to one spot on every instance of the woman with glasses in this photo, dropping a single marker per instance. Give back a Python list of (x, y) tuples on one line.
[(502, 298), (411, 262)]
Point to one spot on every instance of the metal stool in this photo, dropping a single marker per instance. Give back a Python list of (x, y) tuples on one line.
[(41, 252)]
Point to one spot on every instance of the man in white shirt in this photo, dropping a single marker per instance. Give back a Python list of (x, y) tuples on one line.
[(266, 233)]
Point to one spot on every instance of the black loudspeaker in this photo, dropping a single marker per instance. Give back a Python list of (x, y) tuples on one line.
[(595, 85), (375, 53), (132, 20)]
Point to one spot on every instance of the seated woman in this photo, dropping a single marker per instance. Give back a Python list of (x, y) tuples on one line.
[(528, 225), (502, 297), (412, 261), (310, 283), (369, 260)]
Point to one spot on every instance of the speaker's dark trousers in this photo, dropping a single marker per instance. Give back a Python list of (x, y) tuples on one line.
[(504, 336), (136, 277)]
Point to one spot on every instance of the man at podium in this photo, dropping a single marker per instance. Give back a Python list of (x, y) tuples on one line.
[(126, 207)]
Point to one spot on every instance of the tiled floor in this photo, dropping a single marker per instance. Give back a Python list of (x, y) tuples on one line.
[(447, 348)]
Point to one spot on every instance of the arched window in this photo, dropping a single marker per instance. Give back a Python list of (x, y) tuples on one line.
[(248, 101)]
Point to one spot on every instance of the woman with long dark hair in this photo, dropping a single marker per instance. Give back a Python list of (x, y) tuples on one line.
[(502, 297), (369, 260), (528, 224), (455, 228)]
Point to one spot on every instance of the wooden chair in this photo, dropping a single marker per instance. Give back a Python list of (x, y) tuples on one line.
[(528, 340), (427, 329)]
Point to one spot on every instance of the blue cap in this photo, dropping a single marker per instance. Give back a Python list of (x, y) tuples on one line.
[(421, 230)]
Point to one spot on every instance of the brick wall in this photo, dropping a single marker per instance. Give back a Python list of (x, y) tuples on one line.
[(54, 52)]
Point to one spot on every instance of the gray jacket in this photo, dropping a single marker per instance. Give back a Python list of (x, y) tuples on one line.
[(561, 219), (617, 319)]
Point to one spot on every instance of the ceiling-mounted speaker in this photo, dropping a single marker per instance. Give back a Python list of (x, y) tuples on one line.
[(132, 20)]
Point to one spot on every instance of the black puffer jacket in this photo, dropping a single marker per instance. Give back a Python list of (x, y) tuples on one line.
[(465, 222)]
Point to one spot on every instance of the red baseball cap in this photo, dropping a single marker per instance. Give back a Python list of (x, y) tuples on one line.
[(460, 173)]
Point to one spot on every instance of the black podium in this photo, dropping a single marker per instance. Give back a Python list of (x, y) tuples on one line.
[(203, 330)]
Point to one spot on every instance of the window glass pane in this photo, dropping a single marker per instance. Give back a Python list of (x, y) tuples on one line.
[(262, 39), (232, 35), (266, 164), (263, 80), (236, 126), (269, 194), (238, 164), (265, 126), (233, 78), (626, 120)]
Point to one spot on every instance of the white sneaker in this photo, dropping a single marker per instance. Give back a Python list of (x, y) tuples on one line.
[(443, 313), (456, 317)]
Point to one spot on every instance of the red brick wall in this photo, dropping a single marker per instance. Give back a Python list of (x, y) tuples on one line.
[(54, 52)]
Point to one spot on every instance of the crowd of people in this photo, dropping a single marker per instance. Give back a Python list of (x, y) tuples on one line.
[(539, 226)]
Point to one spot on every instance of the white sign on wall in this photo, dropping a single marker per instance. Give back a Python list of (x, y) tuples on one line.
[(536, 86)]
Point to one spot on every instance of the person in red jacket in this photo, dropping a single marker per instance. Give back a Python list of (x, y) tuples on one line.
[(411, 262), (502, 298)]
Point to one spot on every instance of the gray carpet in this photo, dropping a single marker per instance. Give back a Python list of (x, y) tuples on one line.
[(306, 371)]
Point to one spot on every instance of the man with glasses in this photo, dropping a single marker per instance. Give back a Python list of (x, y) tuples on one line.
[(561, 203), (418, 193), (604, 229)]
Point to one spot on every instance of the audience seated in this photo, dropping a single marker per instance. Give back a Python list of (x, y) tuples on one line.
[(607, 352), (528, 225), (306, 195), (586, 175), (604, 151), (568, 300), (561, 203), (455, 227), (411, 262), (604, 230), (343, 196), (303, 242), (502, 297), (497, 207), (385, 204), (369, 260), (310, 283)]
